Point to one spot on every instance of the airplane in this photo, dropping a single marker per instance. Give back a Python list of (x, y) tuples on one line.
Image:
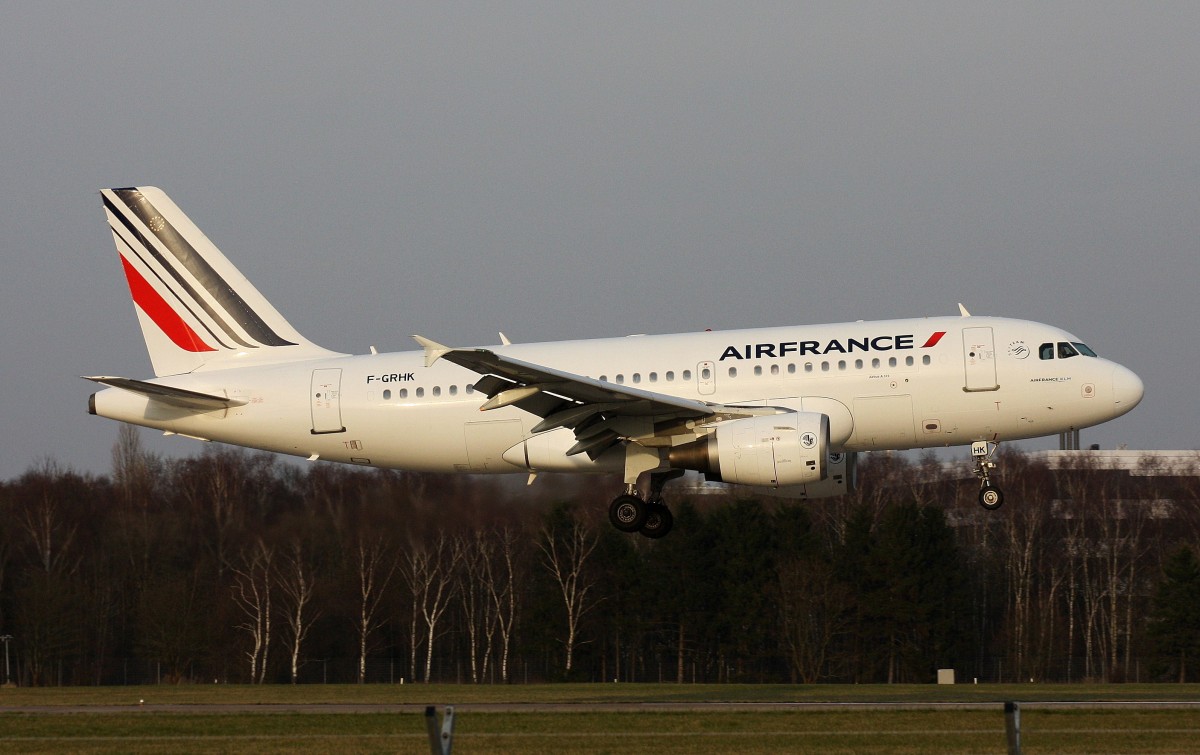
[(782, 411)]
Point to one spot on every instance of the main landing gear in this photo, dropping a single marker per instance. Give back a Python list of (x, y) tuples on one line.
[(990, 496), (649, 517)]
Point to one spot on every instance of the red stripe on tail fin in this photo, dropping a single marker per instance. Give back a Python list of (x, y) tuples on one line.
[(158, 310)]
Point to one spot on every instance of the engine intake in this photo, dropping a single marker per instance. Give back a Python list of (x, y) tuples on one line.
[(770, 451)]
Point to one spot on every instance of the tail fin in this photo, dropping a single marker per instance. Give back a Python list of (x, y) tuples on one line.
[(196, 310)]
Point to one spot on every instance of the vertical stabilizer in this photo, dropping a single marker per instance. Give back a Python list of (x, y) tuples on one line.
[(196, 310)]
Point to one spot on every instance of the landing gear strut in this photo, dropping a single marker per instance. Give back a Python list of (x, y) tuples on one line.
[(990, 496), (650, 516)]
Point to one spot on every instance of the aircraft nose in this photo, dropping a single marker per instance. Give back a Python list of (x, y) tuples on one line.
[(1127, 388)]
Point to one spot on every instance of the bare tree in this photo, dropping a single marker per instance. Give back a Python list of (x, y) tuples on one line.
[(1023, 534), (502, 575), (814, 613), (565, 555), (134, 474), (375, 566), (296, 582), (478, 611), (45, 522), (253, 577), (429, 572)]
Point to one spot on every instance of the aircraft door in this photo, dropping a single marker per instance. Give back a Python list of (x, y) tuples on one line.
[(979, 355), (326, 395), (487, 443), (706, 378)]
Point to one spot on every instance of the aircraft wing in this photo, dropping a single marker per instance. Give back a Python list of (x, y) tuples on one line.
[(600, 413)]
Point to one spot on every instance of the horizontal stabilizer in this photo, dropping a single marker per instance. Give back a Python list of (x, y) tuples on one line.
[(168, 395)]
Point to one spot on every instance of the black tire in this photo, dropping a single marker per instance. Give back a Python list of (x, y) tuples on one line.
[(990, 497), (658, 521), (627, 513)]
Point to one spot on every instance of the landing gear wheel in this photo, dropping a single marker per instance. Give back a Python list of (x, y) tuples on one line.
[(990, 497), (658, 521), (628, 513)]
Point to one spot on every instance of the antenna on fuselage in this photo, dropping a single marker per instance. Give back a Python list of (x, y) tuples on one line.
[(963, 310)]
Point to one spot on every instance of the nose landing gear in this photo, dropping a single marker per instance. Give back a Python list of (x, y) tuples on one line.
[(990, 496)]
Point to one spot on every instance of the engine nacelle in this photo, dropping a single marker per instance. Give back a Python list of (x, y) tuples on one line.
[(842, 479), (770, 451)]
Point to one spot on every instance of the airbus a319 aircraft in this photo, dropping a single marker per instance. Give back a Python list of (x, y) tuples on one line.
[(781, 410)]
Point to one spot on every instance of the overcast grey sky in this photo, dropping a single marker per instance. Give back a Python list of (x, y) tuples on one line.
[(568, 170)]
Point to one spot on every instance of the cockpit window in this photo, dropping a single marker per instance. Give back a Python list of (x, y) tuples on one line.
[(1083, 349), (1046, 351), (1066, 350)]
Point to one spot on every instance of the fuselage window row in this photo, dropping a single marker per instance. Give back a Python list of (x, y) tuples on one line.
[(706, 374)]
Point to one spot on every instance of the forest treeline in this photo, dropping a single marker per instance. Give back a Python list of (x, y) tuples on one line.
[(236, 567)]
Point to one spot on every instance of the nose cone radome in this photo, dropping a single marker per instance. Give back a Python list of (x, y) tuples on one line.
[(1127, 389)]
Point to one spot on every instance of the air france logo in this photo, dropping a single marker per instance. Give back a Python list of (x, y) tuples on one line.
[(832, 346)]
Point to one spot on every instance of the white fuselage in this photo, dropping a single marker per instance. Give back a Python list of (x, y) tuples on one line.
[(893, 384)]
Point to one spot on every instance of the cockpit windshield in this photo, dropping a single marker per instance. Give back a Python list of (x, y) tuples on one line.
[(1064, 350)]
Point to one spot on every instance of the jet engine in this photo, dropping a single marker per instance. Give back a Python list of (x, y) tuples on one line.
[(842, 478), (772, 451)]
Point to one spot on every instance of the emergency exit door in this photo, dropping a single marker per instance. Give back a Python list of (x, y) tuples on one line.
[(326, 401)]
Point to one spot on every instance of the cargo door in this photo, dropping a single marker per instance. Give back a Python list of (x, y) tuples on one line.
[(487, 442), (884, 423)]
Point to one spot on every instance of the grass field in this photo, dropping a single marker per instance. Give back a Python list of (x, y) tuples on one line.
[(116, 722)]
